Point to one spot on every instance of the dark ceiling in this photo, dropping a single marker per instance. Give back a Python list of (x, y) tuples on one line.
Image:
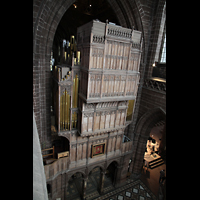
[(81, 12)]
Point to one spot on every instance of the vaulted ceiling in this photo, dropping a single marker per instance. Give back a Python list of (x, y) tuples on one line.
[(79, 13)]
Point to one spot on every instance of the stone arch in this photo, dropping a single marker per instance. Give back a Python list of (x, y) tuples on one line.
[(157, 36), (92, 167), (141, 133), (110, 161), (112, 171), (47, 20), (75, 179), (67, 136), (148, 120), (46, 17), (70, 174)]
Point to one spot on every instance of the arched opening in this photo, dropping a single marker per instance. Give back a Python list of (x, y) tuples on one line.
[(155, 157), (61, 145), (46, 20), (111, 172), (64, 45), (79, 13), (141, 135), (146, 131), (75, 186), (154, 151), (94, 182)]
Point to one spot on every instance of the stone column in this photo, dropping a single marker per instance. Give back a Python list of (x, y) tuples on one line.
[(139, 144), (163, 140), (117, 175), (84, 188), (102, 182), (64, 186)]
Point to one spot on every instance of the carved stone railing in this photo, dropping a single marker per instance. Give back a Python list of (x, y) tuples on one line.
[(155, 85), (99, 39), (120, 32), (136, 45)]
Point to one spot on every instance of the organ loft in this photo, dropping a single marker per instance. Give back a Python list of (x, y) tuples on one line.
[(95, 87)]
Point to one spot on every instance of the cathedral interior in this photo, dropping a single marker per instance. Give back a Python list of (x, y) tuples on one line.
[(99, 99)]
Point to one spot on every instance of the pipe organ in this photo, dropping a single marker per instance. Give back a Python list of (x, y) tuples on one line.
[(64, 111), (95, 85), (94, 93), (65, 89), (110, 60)]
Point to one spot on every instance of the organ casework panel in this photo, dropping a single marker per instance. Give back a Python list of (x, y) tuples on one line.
[(103, 117), (64, 111), (66, 89), (130, 110), (95, 92), (64, 100), (110, 60)]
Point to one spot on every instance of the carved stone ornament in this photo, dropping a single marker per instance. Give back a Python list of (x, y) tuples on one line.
[(117, 78), (136, 56), (111, 78), (106, 77), (103, 113), (89, 106), (131, 78), (113, 112), (92, 77), (98, 39), (155, 85), (85, 115), (88, 114), (123, 103), (119, 32), (67, 87), (68, 78), (98, 114), (98, 77), (73, 146), (136, 45), (123, 78)]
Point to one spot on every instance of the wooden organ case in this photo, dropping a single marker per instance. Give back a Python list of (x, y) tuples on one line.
[(109, 76), (95, 85)]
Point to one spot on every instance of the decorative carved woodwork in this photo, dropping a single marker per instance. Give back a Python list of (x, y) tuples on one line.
[(95, 96)]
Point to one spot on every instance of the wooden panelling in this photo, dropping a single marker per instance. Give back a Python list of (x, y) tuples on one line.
[(103, 116)]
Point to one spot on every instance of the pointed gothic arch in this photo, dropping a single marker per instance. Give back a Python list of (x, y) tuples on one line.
[(45, 23), (141, 133)]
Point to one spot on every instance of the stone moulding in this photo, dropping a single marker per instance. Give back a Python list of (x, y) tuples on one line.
[(107, 130), (119, 32), (99, 39), (155, 85)]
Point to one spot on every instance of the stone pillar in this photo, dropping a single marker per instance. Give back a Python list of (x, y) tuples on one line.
[(163, 141), (102, 182), (84, 188), (64, 186), (139, 144), (117, 176)]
